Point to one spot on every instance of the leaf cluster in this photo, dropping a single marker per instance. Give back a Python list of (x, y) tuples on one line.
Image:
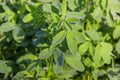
[(59, 39)]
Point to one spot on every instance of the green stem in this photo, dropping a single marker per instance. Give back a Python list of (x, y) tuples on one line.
[(113, 63), (84, 77)]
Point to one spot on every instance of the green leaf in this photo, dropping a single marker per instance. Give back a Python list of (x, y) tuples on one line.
[(29, 74), (83, 48), (97, 14), (97, 55), (88, 62), (2, 38), (45, 1), (64, 6), (71, 20), (116, 32), (74, 61), (55, 18), (109, 18), (71, 4), (97, 73), (41, 34), (93, 35), (22, 2), (47, 7), (114, 5), (104, 4), (28, 8), (104, 51), (55, 9), (6, 27), (18, 34), (31, 66), (26, 57), (68, 71), (78, 2), (28, 18), (76, 27), (58, 57), (4, 68), (59, 25), (77, 15), (97, 64), (18, 75), (68, 26), (45, 54), (59, 38), (2, 15), (56, 6), (57, 69), (118, 47), (91, 48), (12, 2), (78, 36), (71, 43), (10, 14)]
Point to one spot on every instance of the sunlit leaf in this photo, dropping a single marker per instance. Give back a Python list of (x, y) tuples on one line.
[(27, 57), (59, 38), (22, 2), (114, 5), (57, 69), (47, 7), (110, 19), (83, 47), (4, 68), (71, 4), (116, 32), (28, 18), (97, 14), (6, 27), (77, 15), (91, 48), (11, 15), (45, 53), (71, 20), (78, 36), (104, 3), (97, 55), (2, 15), (97, 73), (88, 62), (64, 7), (93, 35), (118, 47), (45, 0), (18, 34), (12, 1), (71, 43), (74, 62), (103, 51), (106, 49)]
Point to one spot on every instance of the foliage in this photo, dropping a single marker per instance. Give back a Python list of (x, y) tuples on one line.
[(59, 39)]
